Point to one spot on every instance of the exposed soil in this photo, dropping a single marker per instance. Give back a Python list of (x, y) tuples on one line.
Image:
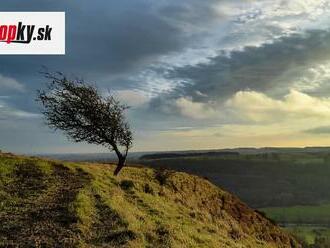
[(108, 230), (40, 215)]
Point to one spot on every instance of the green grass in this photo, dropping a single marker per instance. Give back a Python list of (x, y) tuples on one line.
[(50, 203), (309, 234), (318, 215), (308, 223)]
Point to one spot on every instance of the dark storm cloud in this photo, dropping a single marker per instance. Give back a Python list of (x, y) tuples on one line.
[(109, 37), (107, 41), (193, 12), (271, 68)]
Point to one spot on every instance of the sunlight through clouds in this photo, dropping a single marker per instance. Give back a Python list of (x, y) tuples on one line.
[(259, 107)]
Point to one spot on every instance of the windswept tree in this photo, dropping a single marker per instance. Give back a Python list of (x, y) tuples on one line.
[(78, 109)]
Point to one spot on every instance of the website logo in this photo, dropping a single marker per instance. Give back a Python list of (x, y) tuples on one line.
[(32, 33)]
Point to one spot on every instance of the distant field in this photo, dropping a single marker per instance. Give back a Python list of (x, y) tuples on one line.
[(310, 234), (309, 223), (308, 215)]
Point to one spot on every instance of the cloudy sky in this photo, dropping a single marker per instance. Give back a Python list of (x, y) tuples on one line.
[(197, 74)]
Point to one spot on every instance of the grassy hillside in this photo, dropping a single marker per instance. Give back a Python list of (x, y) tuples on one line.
[(290, 187), (263, 180), (54, 204)]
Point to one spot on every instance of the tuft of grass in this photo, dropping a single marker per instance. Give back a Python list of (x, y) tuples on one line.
[(127, 185), (163, 175), (148, 189), (84, 208)]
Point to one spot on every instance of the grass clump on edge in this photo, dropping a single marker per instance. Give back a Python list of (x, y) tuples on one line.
[(163, 175), (127, 185), (84, 209)]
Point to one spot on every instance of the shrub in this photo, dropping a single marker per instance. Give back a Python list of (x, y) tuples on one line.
[(148, 189), (162, 175), (127, 184)]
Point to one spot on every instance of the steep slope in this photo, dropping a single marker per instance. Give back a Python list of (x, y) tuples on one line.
[(54, 204)]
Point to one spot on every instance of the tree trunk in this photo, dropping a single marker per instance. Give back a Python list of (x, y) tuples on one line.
[(120, 165)]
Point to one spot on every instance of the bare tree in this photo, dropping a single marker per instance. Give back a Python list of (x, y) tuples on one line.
[(78, 109)]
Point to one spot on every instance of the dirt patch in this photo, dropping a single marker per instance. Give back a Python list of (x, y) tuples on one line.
[(109, 228), (28, 181), (159, 238), (41, 219)]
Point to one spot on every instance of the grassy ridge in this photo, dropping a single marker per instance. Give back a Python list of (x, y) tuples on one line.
[(55, 204), (263, 180)]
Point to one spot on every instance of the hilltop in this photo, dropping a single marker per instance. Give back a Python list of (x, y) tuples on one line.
[(48, 203), (235, 152)]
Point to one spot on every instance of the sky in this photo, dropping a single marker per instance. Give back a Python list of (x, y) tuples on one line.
[(197, 74)]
